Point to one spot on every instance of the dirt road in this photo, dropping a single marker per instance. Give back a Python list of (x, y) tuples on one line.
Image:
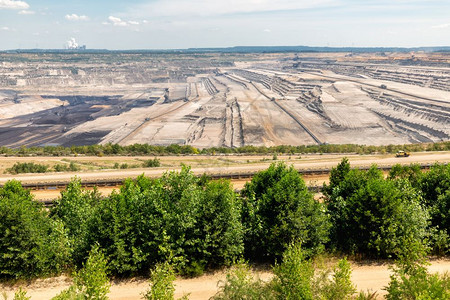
[(374, 276), (308, 162)]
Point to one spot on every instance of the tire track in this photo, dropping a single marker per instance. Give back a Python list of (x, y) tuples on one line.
[(313, 136), (141, 126)]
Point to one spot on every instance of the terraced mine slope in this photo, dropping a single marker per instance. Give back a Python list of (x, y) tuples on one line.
[(223, 99)]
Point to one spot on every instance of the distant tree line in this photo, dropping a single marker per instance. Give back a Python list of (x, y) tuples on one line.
[(174, 149), (198, 224)]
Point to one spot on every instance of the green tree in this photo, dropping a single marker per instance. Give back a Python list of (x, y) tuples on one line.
[(278, 209), (152, 163), (435, 187), (219, 223), (374, 216), (412, 173), (76, 208), (31, 243), (337, 175), (195, 222)]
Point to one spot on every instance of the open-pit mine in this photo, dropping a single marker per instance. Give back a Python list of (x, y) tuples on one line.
[(223, 99)]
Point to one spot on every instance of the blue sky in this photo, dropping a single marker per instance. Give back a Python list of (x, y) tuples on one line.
[(161, 24)]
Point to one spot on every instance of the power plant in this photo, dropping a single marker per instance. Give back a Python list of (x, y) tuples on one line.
[(73, 45)]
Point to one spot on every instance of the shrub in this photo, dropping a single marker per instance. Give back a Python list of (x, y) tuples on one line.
[(339, 287), (410, 279), (151, 163), (294, 278), (76, 208), (278, 209), (30, 167), (161, 283), (64, 168), (18, 295), (219, 224), (195, 222), (31, 243), (412, 173), (294, 275), (241, 284), (21, 295), (374, 216), (91, 282), (435, 186)]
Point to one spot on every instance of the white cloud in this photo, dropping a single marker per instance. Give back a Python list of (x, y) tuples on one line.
[(441, 26), (11, 4), (26, 12), (5, 28), (75, 17), (116, 21), (267, 30)]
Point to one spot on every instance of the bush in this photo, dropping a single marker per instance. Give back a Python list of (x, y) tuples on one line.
[(195, 222), (240, 284), (76, 208), (294, 275), (151, 163), (64, 168), (435, 186), (19, 168), (31, 243), (412, 173), (339, 287), (18, 295), (161, 283), (220, 225), (91, 282), (278, 209), (410, 279), (374, 216), (294, 278)]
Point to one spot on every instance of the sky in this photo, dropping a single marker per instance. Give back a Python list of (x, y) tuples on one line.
[(179, 24)]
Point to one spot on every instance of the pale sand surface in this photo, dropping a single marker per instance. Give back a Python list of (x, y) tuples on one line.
[(366, 276)]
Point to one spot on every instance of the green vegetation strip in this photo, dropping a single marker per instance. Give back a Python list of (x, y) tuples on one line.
[(186, 225), (145, 149)]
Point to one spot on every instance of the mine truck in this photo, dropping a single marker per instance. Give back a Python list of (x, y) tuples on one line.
[(402, 153)]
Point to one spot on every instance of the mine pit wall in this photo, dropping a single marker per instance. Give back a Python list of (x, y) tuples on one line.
[(436, 79), (222, 101)]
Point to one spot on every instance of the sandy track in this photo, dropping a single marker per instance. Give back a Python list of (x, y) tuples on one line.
[(314, 162), (366, 276)]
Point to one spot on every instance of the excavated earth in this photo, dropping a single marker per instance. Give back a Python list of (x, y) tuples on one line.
[(223, 99)]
